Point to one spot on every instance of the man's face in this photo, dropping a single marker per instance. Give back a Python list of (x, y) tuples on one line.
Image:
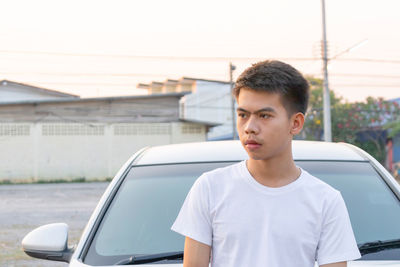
[(263, 124)]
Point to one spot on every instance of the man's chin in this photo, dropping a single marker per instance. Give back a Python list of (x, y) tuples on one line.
[(257, 156)]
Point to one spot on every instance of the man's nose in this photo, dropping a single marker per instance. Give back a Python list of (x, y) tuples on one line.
[(251, 126)]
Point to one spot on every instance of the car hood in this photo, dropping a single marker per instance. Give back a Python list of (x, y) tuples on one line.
[(75, 263)]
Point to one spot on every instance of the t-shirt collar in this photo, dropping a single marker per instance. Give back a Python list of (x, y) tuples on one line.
[(270, 190)]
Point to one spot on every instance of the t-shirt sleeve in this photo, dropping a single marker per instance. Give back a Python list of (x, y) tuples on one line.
[(194, 217), (337, 242)]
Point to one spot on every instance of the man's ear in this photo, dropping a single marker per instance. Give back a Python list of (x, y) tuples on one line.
[(297, 123)]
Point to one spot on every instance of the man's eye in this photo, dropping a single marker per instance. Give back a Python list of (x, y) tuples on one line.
[(264, 116), (242, 115)]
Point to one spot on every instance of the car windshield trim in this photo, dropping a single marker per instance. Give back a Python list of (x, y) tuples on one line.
[(151, 258), (184, 163), (375, 246), (239, 160)]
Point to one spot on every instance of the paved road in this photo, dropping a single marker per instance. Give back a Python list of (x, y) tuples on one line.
[(25, 207)]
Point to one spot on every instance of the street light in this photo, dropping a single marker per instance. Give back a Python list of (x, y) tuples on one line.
[(326, 95), (327, 101), (231, 69)]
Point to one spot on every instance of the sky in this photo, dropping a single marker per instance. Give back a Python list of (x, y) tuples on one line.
[(105, 48)]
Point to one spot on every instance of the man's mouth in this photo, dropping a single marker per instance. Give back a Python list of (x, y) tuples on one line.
[(252, 144)]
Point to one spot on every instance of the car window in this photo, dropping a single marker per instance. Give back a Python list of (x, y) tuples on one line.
[(139, 218), (373, 208)]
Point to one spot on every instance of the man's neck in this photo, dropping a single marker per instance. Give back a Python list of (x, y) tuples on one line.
[(276, 172)]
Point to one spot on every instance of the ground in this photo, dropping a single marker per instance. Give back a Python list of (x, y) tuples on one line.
[(25, 207)]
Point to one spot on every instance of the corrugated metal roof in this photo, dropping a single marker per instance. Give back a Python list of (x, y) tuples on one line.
[(113, 98), (38, 89)]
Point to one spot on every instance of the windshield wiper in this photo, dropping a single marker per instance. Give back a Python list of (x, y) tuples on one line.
[(151, 258), (375, 246)]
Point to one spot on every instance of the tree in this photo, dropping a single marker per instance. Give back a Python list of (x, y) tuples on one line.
[(313, 129), (365, 124)]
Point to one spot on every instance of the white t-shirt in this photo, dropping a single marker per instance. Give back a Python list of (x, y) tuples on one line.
[(249, 224)]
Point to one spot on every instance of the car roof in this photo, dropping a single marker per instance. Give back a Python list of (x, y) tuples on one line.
[(213, 151)]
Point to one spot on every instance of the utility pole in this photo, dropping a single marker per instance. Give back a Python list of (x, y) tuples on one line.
[(231, 69), (327, 101)]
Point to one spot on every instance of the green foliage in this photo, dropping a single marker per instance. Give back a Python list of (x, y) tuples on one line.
[(313, 128), (359, 123), (394, 128)]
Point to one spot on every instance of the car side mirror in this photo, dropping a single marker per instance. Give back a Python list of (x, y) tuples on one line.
[(48, 242)]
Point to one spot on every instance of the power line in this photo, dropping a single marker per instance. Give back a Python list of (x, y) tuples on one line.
[(366, 75), (134, 75), (169, 75), (87, 74), (129, 85), (87, 84), (191, 58), (126, 75), (367, 85), (374, 60)]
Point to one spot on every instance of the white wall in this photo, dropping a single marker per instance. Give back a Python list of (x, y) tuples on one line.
[(45, 151), (212, 103), (16, 150)]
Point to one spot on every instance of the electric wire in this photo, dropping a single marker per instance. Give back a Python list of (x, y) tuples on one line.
[(159, 57), (191, 58), (105, 74)]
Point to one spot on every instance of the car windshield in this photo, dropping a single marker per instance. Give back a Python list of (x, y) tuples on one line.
[(139, 218)]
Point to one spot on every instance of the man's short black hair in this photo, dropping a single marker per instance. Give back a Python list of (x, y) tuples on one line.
[(274, 76)]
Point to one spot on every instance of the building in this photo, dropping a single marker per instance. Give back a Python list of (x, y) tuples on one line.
[(67, 137), (206, 100)]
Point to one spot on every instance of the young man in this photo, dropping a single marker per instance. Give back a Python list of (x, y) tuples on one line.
[(266, 211)]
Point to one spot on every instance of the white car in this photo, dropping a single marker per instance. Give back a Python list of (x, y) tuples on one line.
[(131, 223)]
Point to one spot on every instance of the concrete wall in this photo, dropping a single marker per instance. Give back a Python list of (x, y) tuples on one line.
[(211, 102), (44, 151)]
